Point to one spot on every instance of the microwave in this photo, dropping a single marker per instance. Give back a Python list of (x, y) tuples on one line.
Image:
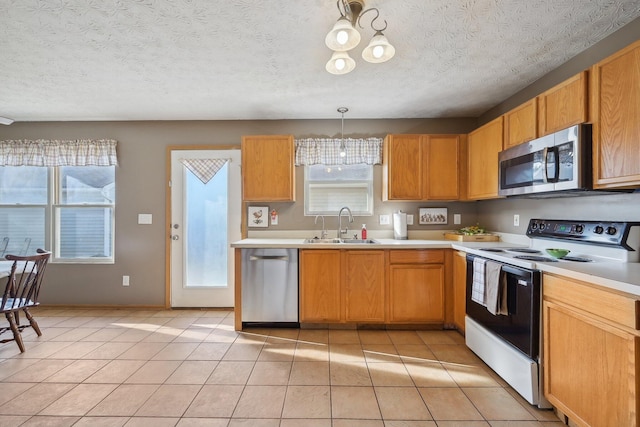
[(553, 164)]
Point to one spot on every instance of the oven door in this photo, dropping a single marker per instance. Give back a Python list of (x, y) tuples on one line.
[(521, 327)]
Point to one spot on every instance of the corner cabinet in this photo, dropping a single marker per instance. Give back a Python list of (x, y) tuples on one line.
[(416, 286), (563, 105), (591, 347), (520, 124), (268, 172), (615, 114), (484, 144), (422, 167)]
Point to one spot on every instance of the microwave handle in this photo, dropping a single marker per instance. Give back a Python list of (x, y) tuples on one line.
[(556, 169)]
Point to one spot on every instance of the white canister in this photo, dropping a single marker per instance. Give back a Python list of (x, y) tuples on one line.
[(400, 225)]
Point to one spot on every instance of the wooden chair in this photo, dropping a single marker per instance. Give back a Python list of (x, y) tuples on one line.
[(21, 293)]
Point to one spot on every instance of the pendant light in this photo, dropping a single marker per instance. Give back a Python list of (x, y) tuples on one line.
[(343, 147), (344, 37)]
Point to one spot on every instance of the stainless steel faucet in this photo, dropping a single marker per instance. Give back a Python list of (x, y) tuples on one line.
[(323, 234), (346, 230)]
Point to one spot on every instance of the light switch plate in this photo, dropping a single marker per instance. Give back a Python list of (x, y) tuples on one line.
[(385, 220), (145, 219), (409, 219), (457, 219)]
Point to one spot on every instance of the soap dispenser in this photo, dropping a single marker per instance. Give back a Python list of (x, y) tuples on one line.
[(363, 232)]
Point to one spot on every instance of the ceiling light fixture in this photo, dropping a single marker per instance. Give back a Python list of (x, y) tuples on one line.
[(5, 121), (344, 37), (343, 147)]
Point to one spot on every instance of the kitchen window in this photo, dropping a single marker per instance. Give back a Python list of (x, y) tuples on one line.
[(329, 188), (67, 208)]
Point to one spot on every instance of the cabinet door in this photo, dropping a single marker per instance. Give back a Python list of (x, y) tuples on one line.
[(402, 169), (268, 168), (364, 286), (459, 288), (442, 175), (520, 124), (615, 109), (483, 147), (590, 368), (416, 293), (563, 105), (320, 286)]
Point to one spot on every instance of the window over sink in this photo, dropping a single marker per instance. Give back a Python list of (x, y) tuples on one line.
[(327, 188)]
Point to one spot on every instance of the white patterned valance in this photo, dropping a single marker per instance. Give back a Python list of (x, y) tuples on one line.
[(326, 151), (43, 152), (204, 169)]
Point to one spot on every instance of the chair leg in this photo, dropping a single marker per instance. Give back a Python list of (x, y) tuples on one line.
[(16, 332), (32, 322)]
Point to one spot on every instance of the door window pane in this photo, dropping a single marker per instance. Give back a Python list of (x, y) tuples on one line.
[(205, 217)]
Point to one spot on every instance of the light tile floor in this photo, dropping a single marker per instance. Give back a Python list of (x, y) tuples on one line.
[(190, 368)]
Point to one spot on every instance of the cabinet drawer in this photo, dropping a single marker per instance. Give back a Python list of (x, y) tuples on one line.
[(621, 309), (416, 256)]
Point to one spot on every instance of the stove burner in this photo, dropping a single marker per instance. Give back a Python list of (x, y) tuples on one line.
[(535, 258), (576, 259), (492, 249), (524, 250)]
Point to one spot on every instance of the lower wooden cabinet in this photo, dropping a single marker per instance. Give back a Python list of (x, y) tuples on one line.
[(459, 288), (416, 286), (372, 286), (591, 353), (364, 285), (320, 286)]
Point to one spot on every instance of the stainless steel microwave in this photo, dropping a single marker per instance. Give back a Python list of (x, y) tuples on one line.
[(559, 162)]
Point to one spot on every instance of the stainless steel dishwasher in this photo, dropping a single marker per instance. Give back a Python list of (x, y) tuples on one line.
[(270, 287)]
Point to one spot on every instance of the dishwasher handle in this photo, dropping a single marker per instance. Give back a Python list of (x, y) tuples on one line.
[(269, 257)]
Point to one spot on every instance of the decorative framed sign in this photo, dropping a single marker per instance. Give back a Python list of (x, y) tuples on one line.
[(430, 216), (258, 216)]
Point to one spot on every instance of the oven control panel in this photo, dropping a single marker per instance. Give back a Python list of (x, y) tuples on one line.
[(606, 233)]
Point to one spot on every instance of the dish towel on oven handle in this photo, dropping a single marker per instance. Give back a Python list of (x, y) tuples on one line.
[(478, 293), (495, 288)]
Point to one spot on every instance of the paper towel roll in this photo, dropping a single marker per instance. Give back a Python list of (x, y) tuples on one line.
[(400, 226)]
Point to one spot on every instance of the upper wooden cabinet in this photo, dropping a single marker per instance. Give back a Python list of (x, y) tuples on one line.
[(615, 114), (483, 146), (521, 124), (268, 172), (563, 105), (422, 167)]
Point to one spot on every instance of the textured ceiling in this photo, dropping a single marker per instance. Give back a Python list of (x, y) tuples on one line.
[(248, 59)]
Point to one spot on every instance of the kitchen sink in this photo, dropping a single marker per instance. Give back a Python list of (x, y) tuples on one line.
[(336, 241), (364, 241)]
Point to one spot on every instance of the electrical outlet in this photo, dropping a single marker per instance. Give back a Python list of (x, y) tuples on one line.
[(385, 220), (516, 220), (125, 280), (409, 219), (457, 219)]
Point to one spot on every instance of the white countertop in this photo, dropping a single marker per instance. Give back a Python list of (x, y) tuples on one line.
[(620, 276)]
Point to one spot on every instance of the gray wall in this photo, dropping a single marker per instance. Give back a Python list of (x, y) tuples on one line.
[(141, 184)]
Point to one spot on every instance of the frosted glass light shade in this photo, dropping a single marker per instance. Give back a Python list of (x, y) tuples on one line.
[(342, 36), (378, 50), (340, 63)]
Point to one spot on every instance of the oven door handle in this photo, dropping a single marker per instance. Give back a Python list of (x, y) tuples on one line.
[(516, 272)]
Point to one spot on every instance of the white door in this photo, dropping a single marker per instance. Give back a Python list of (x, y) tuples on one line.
[(205, 219)]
